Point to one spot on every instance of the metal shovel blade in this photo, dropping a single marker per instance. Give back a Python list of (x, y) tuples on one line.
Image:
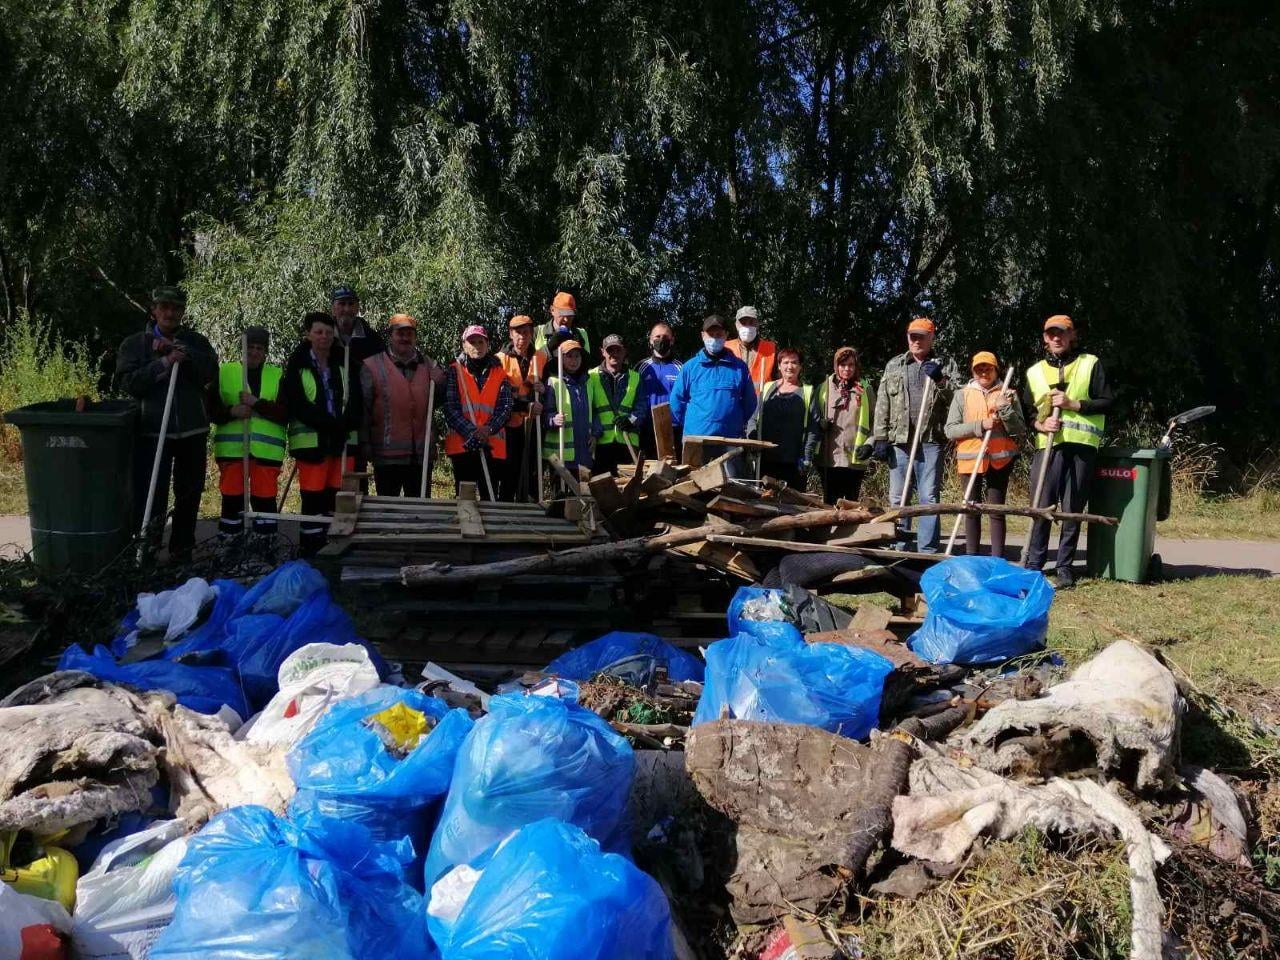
[(1191, 416)]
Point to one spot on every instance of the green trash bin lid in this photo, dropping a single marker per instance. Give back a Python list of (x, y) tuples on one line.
[(1132, 453), (59, 413)]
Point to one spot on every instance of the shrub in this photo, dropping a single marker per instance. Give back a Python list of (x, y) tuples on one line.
[(37, 365)]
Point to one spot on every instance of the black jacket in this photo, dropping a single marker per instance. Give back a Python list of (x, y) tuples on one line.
[(331, 428), (142, 374)]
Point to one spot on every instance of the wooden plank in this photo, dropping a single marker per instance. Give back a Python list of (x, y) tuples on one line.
[(723, 558), (790, 546), (346, 513), (741, 508), (745, 442), (469, 515), (563, 473), (672, 495), (691, 452), (664, 434), (468, 490), (867, 533), (870, 616), (605, 490), (567, 538), (416, 503)]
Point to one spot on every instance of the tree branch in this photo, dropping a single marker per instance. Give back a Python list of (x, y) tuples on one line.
[(118, 289)]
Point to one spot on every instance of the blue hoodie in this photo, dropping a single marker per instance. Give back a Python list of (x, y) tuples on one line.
[(713, 396), (657, 379)]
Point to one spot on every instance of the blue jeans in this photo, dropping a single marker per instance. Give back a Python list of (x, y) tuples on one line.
[(927, 479)]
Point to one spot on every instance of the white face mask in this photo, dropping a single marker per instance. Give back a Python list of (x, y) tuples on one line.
[(747, 333), (713, 344)]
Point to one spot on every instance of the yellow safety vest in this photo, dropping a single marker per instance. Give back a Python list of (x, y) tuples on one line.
[(564, 404), (1083, 428), (266, 437), (862, 435), (301, 436), (608, 415)]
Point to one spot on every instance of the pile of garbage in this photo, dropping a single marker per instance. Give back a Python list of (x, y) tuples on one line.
[(236, 775)]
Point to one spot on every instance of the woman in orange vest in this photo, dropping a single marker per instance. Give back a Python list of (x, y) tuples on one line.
[(979, 407), (477, 403), (395, 386), (526, 373)]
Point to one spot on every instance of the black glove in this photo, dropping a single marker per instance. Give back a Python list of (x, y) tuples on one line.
[(932, 369), (864, 452), (881, 451)]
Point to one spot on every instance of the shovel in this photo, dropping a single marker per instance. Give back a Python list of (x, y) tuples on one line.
[(1181, 420)]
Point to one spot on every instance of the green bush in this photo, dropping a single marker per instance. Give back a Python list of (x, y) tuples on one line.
[(37, 365)]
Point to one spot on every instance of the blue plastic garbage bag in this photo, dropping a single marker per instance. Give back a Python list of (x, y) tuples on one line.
[(551, 894), (283, 590), (982, 610), (204, 689), (776, 677), (205, 637), (344, 768), (257, 643), (254, 886), (531, 758), (760, 597), (586, 661)]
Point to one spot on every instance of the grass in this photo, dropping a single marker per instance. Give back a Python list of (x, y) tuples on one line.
[(1029, 898)]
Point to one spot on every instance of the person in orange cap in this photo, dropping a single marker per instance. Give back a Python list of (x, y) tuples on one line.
[(394, 387), (526, 369), (562, 326), (1066, 397), (981, 406), (914, 381)]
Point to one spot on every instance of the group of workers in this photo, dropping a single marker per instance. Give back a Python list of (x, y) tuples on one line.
[(350, 399)]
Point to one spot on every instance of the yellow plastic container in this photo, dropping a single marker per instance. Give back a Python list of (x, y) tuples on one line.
[(50, 876)]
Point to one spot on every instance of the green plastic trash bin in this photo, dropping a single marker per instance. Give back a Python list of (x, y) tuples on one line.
[(1132, 485), (79, 470)]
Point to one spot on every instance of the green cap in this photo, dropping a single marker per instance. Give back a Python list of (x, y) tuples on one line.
[(169, 295)]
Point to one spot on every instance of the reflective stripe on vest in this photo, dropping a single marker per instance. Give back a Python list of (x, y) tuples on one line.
[(1001, 448), (763, 353), (564, 404), (862, 435), (576, 333), (477, 406), (399, 408), (609, 414), (1082, 428), (806, 390), (266, 437), (521, 387)]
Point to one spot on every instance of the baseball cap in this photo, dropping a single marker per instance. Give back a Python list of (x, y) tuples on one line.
[(568, 345), (564, 305), (921, 325), (747, 313), (174, 295), (1059, 321), (401, 320), (984, 356), (475, 330), (343, 292), (256, 335), (613, 340), (519, 320), (711, 322)]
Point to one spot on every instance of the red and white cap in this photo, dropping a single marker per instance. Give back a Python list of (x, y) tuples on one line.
[(475, 330)]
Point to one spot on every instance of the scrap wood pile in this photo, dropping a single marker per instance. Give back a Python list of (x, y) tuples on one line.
[(757, 531)]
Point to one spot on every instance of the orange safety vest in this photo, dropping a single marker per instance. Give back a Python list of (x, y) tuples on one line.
[(477, 406), (399, 409), (763, 354), (1001, 448), (522, 389)]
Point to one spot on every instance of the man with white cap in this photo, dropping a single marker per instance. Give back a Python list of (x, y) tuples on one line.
[(759, 355), (394, 386), (476, 407)]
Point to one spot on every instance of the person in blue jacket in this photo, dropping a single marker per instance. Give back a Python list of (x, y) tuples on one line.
[(658, 373), (713, 395)]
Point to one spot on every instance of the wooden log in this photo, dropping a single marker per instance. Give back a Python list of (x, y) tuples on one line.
[(790, 546), (996, 509), (744, 442), (664, 434), (603, 553)]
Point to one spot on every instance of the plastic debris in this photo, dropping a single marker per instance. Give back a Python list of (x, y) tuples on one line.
[(550, 893), (603, 654), (774, 676), (982, 610), (531, 758)]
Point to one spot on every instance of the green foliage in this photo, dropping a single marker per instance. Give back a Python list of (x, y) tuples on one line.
[(37, 366), (840, 166)]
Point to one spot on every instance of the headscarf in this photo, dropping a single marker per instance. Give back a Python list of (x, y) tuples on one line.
[(844, 388)]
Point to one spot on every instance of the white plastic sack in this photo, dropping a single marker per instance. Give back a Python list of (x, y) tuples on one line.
[(175, 610), (126, 899), (31, 928), (312, 679)]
